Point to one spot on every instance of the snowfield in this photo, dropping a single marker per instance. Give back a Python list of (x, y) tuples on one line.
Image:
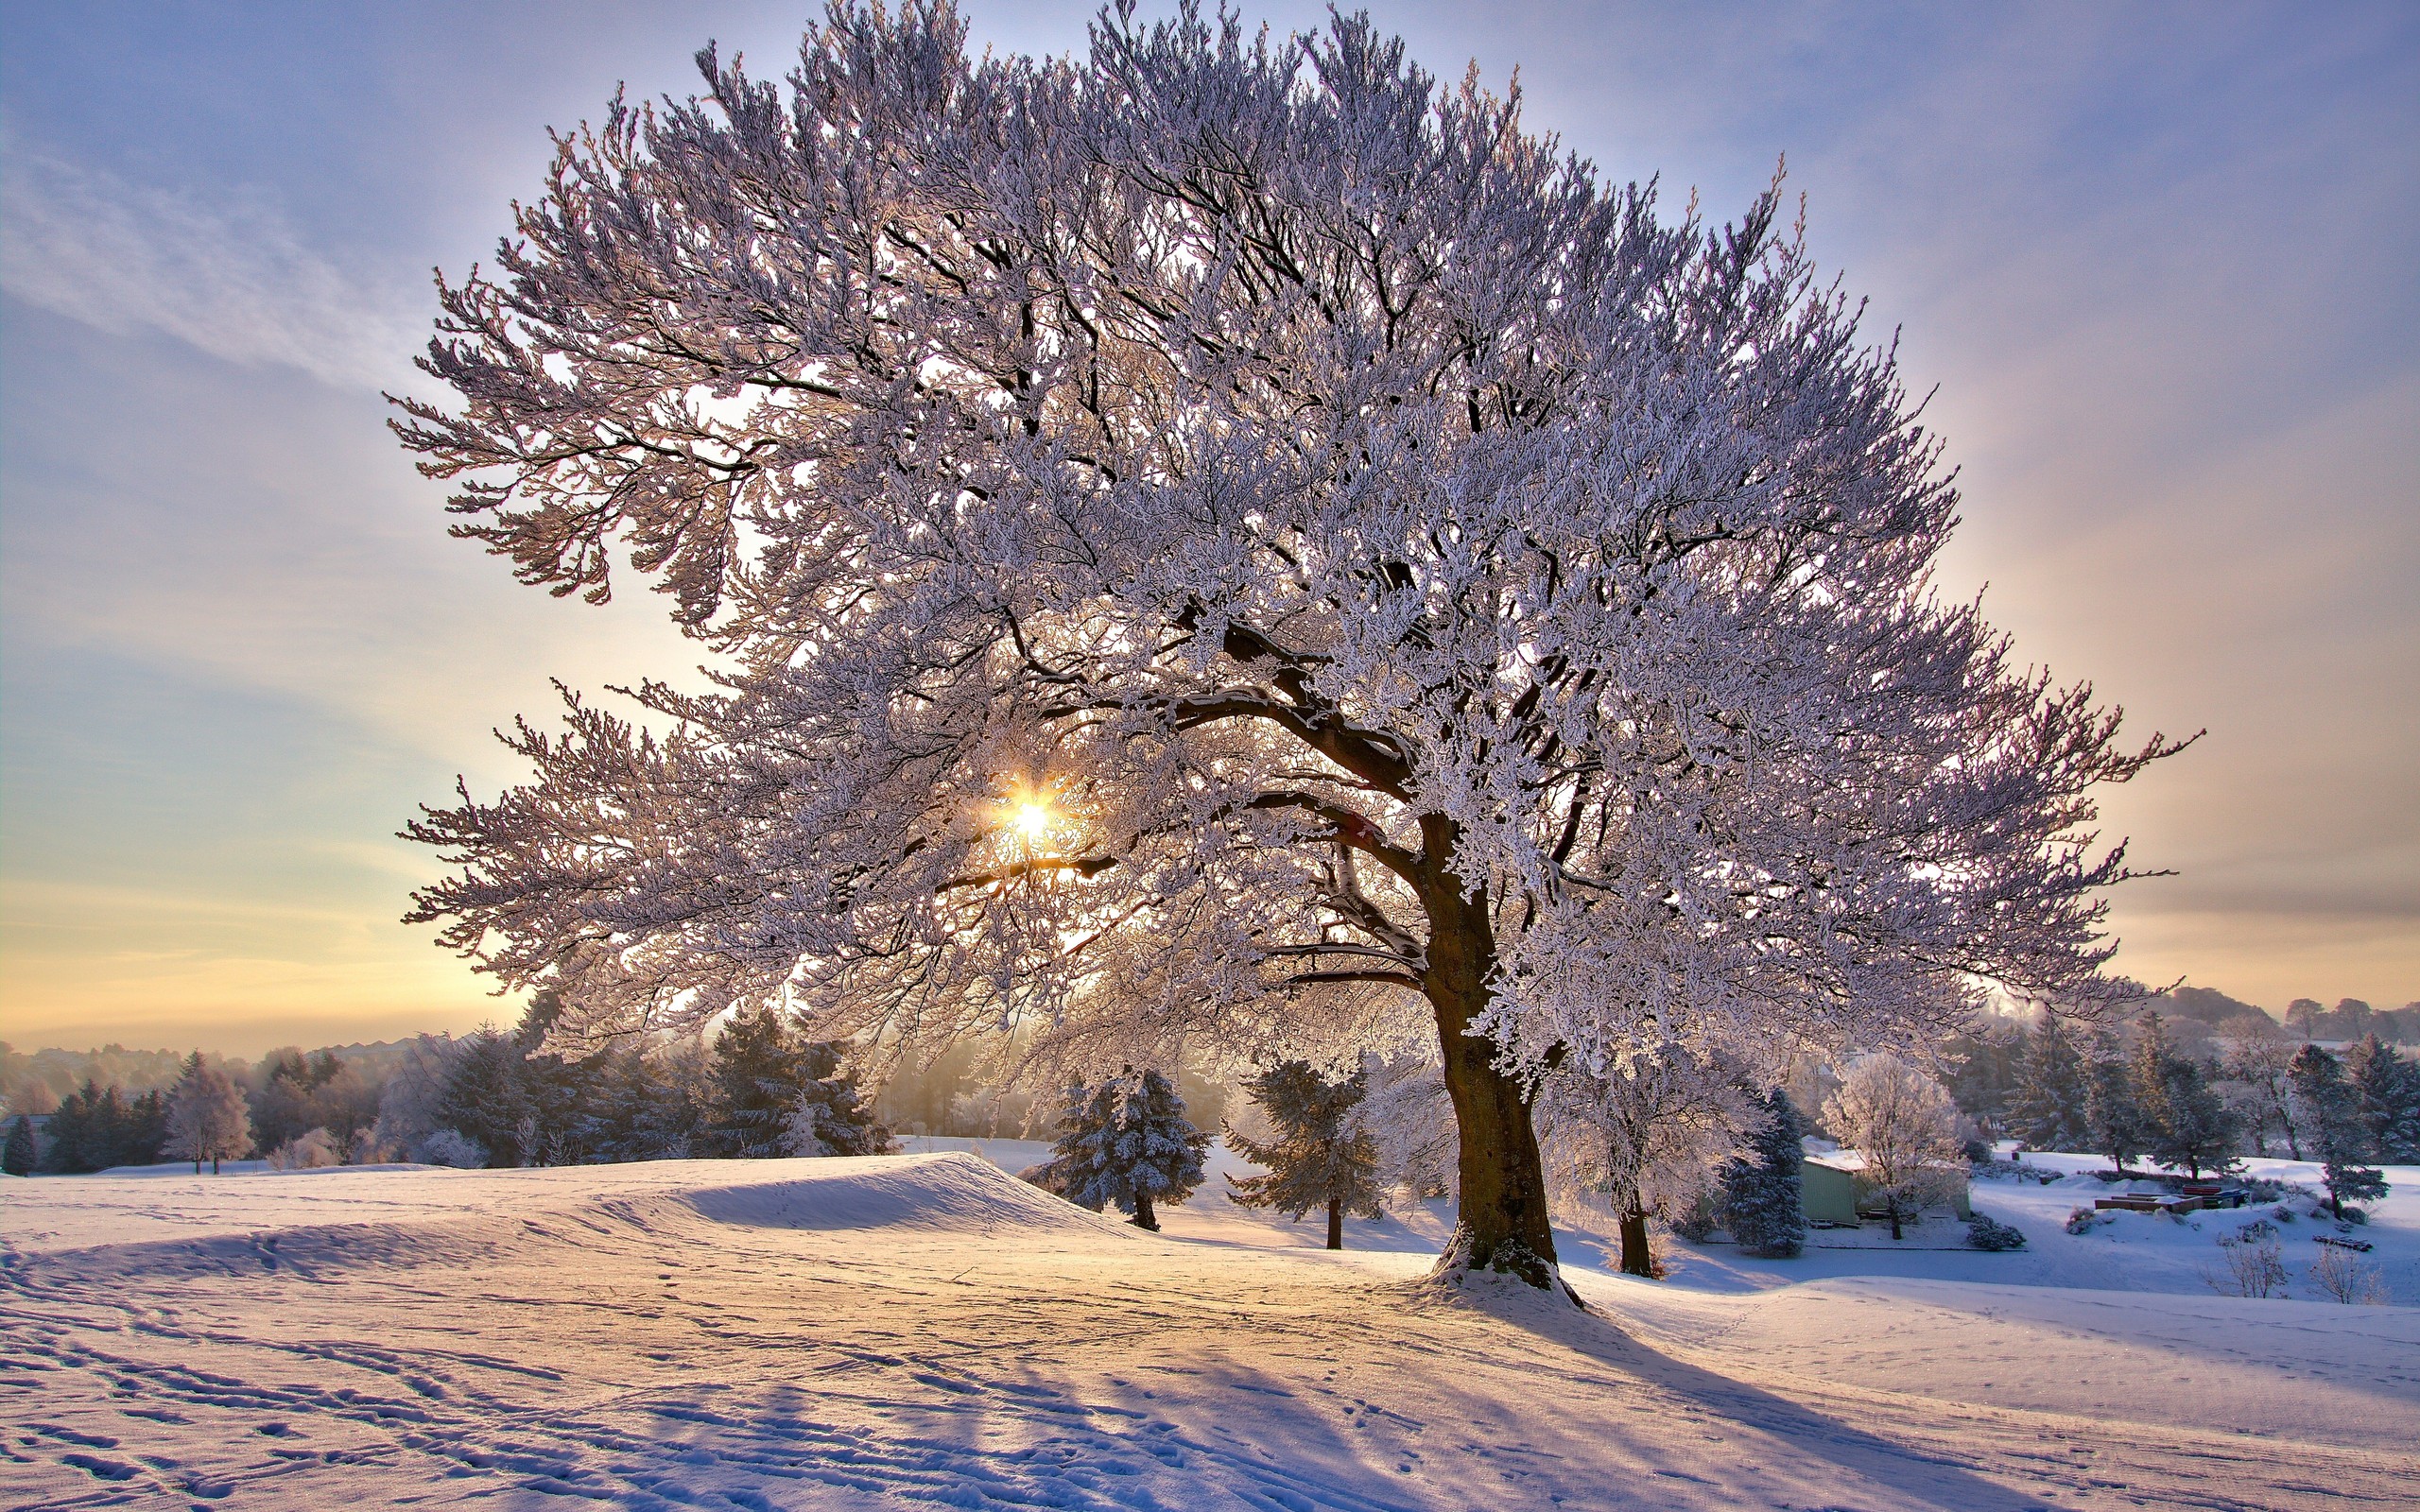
[(923, 1330)]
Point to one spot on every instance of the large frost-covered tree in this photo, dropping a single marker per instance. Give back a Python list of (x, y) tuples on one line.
[(1193, 526)]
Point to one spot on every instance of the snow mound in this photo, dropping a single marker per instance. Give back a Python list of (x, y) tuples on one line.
[(318, 1224), (951, 1193)]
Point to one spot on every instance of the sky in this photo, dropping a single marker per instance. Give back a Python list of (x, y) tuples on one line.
[(2155, 264)]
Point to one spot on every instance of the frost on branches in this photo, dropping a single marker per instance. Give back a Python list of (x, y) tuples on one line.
[(1645, 1137), (1191, 530), (1124, 1144)]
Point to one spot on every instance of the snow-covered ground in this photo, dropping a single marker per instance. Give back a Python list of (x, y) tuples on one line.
[(923, 1330)]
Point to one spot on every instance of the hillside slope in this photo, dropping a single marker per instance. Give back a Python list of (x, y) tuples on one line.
[(921, 1330)]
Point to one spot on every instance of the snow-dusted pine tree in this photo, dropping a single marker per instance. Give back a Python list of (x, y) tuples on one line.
[(2190, 1125), (2331, 1109), (2047, 1110), (1196, 525), (2386, 1100), (484, 1099), (2114, 1118), (832, 1116), (208, 1119), (22, 1153), (1763, 1203), (1321, 1156), (1906, 1127), (1124, 1144), (761, 1071)]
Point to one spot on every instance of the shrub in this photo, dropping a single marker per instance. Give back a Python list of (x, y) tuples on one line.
[(2081, 1220), (2255, 1266), (306, 1152), (2343, 1278), (449, 1146), (1990, 1234)]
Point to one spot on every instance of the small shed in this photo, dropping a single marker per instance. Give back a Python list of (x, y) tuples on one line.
[(1828, 1191), (1833, 1188)]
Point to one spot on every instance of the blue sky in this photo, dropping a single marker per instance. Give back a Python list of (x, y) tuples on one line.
[(2157, 260)]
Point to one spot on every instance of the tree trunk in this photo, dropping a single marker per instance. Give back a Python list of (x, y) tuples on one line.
[(1895, 1218), (1336, 1223), (214, 1166), (1636, 1258), (1503, 1225), (1143, 1218)]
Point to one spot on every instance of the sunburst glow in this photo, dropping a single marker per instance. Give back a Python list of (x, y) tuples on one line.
[(1033, 818)]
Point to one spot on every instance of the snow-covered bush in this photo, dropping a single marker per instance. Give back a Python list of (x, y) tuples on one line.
[(306, 1152), (451, 1147), (1990, 1234), (2083, 1220)]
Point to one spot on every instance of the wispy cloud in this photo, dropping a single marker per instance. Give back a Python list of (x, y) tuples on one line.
[(227, 274)]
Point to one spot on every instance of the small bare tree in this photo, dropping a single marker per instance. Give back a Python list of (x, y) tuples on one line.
[(2255, 1264), (2339, 1276), (1905, 1126)]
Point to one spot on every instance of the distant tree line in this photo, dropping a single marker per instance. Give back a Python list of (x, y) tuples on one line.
[(491, 1098), (2197, 1101)]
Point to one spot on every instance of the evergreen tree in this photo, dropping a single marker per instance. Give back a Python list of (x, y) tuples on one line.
[(1127, 1145), (2047, 1110), (2113, 1121), (1983, 1081), (618, 1095), (761, 1070), (484, 1099), (2322, 1102), (144, 1131), (2147, 1077), (1321, 1156), (207, 1118), (1762, 1202), (682, 1091), (2332, 1108), (2195, 1128), (18, 1157), (554, 1123), (2386, 1101), (94, 1129), (831, 1115)]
